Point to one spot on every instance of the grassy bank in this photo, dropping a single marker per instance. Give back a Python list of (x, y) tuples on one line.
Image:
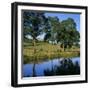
[(46, 51)]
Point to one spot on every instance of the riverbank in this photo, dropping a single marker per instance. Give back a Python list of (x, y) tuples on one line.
[(46, 51)]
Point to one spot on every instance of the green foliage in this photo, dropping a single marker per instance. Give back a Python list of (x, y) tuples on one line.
[(34, 23), (68, 35), (55, 27), (64, 32)]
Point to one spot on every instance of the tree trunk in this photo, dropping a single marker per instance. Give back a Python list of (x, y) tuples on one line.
[(60, 49), (63, 47), (34, 44)]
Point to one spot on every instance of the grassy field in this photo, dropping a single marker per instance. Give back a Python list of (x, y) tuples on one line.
[(45, 51)]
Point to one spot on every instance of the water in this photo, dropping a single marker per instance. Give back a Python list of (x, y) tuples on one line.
[(52, 67)]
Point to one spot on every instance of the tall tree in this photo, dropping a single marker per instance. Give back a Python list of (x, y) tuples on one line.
[(55, 27), (68, 35), (34, 24)]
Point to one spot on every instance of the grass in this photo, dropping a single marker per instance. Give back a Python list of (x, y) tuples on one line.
[(46, 51)]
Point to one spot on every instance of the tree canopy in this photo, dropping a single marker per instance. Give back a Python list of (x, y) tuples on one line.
[(34, 23), (63, 32), (68, 34)]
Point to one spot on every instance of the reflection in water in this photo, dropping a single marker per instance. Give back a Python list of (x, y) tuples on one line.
[(65, 66), (34, 72)]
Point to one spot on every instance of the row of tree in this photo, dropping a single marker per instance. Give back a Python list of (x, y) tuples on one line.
[(58, 32)]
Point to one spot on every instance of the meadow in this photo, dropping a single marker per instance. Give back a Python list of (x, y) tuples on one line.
[(44, 50)]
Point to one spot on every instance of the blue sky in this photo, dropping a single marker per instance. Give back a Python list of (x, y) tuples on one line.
[(64, 16)]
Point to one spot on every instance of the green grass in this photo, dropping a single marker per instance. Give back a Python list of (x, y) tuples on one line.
[(46, 51)]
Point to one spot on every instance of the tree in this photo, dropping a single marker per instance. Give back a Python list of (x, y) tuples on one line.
[(55, 27), (68, 34), (34, 24)]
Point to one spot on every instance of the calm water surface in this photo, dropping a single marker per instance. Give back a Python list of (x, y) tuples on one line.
[(39, 69)]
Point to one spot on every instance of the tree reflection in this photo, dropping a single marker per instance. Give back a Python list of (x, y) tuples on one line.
[(33, 71), (66, 67)]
